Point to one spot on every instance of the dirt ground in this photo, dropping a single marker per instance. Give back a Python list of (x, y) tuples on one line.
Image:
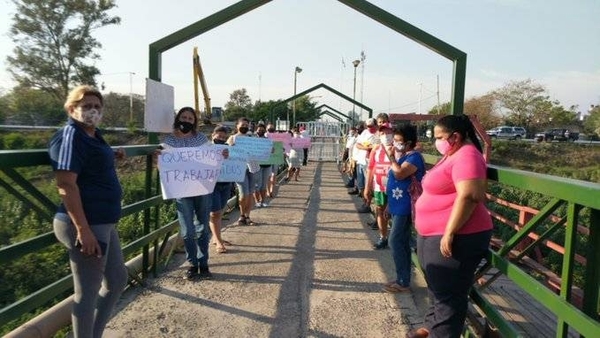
[(307, 270)]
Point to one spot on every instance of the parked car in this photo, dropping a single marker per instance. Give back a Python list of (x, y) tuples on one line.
[(511, 133), (557, 134)]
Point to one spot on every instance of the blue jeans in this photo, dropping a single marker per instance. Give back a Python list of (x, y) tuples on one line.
[(399, 242), (361, 171), (195, 231)]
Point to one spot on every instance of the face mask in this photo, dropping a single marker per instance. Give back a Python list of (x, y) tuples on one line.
[(243, 130), (443, 146), (386, 139), (260, 133), (90, 118), (399, 146), (271, 130), (184, 127), (219, 141)]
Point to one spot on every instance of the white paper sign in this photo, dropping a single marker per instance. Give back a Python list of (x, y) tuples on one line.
[(159, 110), (187, 172)]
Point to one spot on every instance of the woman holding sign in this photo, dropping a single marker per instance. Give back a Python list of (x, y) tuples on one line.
[(294, 159), (195, 232), (247, 187)]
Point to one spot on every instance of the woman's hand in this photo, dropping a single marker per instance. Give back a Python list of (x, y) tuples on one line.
[(225, 153), (367, 195), (120, 154), (446, 245), (88, 244)]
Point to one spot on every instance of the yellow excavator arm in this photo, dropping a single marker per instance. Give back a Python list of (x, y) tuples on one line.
[(199, 76)]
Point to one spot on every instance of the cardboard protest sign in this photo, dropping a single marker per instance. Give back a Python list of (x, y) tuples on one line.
[(277, 155), (257, 148), (187, 172), (233, 169), (284, 138), (300, 143)]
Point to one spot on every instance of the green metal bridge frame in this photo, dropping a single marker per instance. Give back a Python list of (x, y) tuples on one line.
[(573, 196), (324, 86)]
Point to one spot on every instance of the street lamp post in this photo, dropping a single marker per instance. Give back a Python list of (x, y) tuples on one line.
[(296, 71), (355, 63), (131, 74)]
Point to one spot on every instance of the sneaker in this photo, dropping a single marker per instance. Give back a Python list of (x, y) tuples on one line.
[(191, 273), (258, 205), (364, 209), (205, 273), (381, 244), (264, 204)]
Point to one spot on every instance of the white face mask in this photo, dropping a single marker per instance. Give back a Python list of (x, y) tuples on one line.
[(91, 117), (386, 139)]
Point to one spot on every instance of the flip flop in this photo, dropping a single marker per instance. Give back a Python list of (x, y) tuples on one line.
[(395, 288), (228, 243)]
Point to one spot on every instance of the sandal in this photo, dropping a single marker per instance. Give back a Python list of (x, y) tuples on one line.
[(224, 243), (242, 220), (396, 288), (220, 249), (249, 221)]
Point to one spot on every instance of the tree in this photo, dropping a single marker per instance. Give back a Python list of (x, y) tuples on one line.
[(55, 46), (305, 109), (239, 105), (521, 99), (34, 107), (440, 109), (591, 121), (485, 109), (116, 110)]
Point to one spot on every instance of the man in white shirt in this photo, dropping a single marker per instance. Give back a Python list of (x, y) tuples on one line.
[(304, 134), (347, 160), (364, 143)]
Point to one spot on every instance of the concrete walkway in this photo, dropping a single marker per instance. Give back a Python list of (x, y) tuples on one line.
[(307, 270)]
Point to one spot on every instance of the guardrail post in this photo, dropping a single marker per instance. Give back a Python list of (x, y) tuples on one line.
[(591, 287)]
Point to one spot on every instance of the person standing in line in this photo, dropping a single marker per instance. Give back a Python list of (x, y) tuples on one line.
[(404, 167), (263, 175), (294, 159), (364, 144), (247, 187), (453, 224), (376, 183), (85, 222), (195, 232), (304, 134), (347, 157), (220, 196), (274, 167), (353, 165)]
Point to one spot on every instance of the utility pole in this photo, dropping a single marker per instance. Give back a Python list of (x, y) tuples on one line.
[(438, 93), (131, 74), (296, 71), (363, 57), (355, 63)]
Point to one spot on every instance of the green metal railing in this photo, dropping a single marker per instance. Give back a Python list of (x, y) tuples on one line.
[(15, 184), (566, 199)]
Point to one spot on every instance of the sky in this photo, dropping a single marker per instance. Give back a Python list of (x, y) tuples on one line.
[(556, 43)]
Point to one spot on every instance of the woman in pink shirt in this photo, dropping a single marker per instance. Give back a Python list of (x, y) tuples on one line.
[(453, 225)]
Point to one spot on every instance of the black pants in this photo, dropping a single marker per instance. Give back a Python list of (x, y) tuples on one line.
[(450, 279), (305, 156)]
